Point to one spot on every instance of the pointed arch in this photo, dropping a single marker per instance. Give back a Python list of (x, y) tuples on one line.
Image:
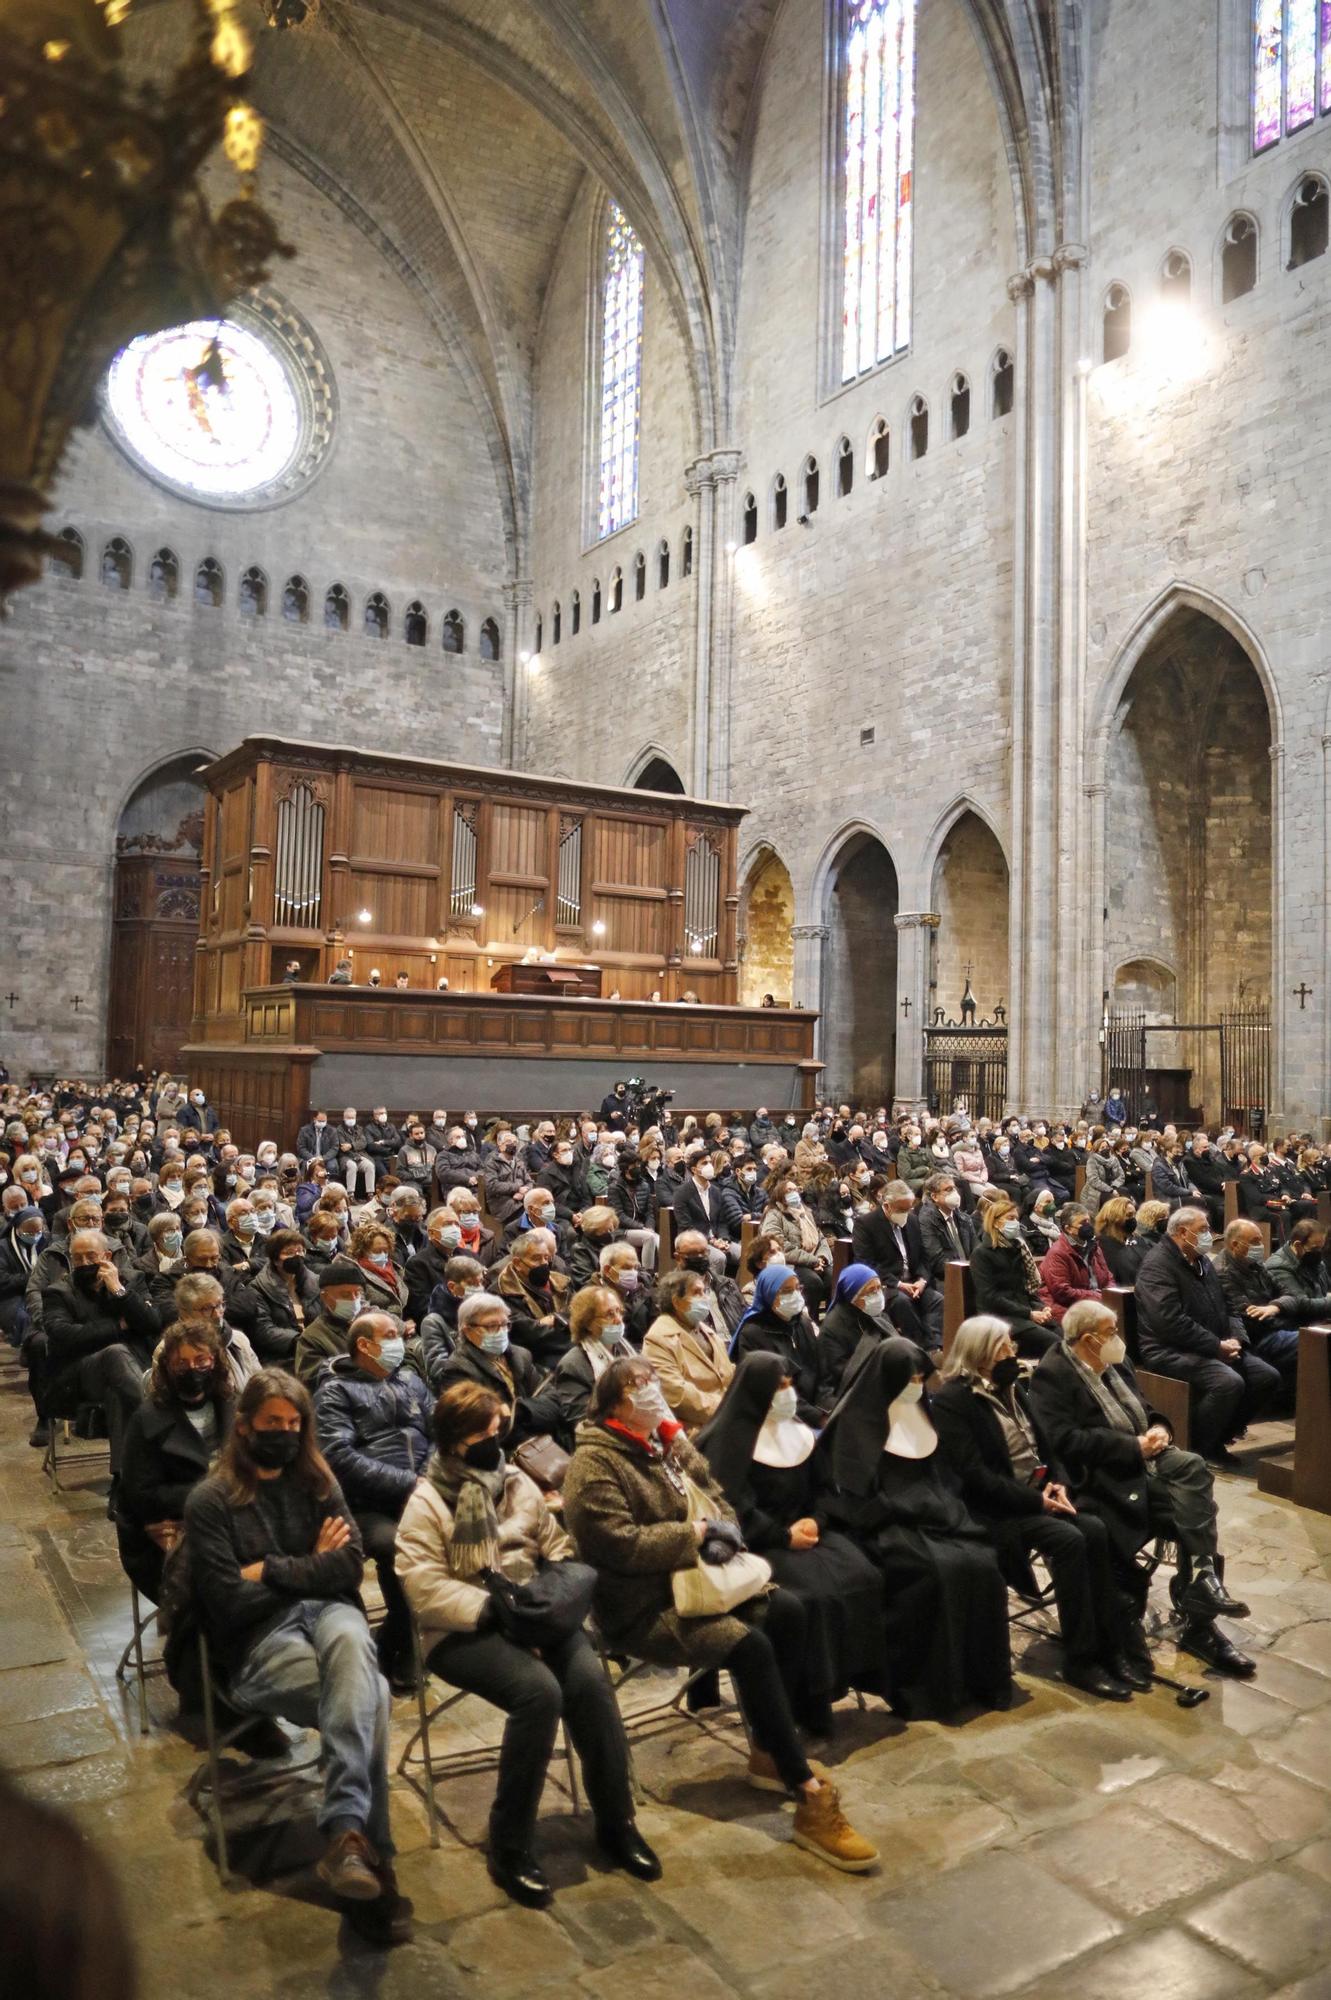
[(652, 754), (920, 884)]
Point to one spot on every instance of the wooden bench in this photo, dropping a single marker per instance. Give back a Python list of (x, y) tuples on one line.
[(748, 1229), (1234, 1213), (1165, 1393), (1303, 1475), (840, 1255), (665, 1228), (958, 1299)]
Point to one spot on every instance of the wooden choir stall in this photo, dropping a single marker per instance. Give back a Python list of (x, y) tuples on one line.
[(396, 931)]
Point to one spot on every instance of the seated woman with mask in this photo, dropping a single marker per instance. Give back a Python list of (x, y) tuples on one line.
[(856, 1321), (776, 1324), (1008, 1283), (762, 1458), (947, 1628), (474, 1512), (640, 1504), (1116, 1229), (988, 1438), (597, 1328)]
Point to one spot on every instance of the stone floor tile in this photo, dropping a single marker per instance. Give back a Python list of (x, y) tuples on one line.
[(659, 1974), (1316, 1987), (1309, 1645), (1275, 1922), (1163, 1965), (1207, 1811), (514, 1950), (1130, 1862), (976, 1929), (1304, 1748)]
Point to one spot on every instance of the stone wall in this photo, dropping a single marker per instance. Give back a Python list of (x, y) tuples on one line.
[(768, 918), (971, 898), (100, 687)]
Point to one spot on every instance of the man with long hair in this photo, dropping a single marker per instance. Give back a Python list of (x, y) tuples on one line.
[(276, 1564)]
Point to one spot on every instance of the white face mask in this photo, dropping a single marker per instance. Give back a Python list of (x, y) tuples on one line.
[(785, 1405), (706, 1171), (794, 1199), (874, 1303), (1113, 1352), (790, 1305)]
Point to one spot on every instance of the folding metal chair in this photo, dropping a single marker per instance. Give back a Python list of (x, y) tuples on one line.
[(141, 1668), (51, 1458), (209, 1786), (418, 1756)]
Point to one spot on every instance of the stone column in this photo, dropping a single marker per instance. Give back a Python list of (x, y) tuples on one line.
[(712, 479), (915, 929), (517, 596), (807, 986)]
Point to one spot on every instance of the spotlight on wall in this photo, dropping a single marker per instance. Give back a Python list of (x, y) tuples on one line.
[(525, 659), (1085, 365), (598, 928), (731, 548), (1172, 343), (365, 916), (478, 909), (804, 521)]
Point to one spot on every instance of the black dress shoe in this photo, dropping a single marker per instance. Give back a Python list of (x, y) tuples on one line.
[(625, 1846), (1098, 1681), (519, 1876), (1206, 1597), (40, 1434), (1133, 1668), (384, 1923), (1223, 1457), (1205, 1641)]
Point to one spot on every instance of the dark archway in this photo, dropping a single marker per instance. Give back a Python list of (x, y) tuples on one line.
[(155, 919), (970, 894), (659, 776), (1188, 840), (860, 975)]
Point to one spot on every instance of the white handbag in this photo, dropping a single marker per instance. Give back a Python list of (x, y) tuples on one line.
[(709, 1589)]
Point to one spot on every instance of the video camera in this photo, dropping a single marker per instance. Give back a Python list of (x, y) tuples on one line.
[(647, 1101)]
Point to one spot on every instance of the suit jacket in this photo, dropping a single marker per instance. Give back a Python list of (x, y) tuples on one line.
[(314, 1143), (1105, 1467), (971, 1439), (935, 1242), (873, 1241), (690, 1213)]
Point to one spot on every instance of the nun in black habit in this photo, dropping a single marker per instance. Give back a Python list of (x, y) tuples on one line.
[(947, 1627), (762, 1456)]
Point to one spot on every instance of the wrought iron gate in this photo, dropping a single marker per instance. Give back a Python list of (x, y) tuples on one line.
[(1123, 1055), (965, 1069), (1245, 1067)]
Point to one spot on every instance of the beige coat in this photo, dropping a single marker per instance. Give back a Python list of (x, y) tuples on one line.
[(693, 1365), (444, 1603)]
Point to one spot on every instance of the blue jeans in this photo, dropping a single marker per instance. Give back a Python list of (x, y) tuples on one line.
[(318, 1668)]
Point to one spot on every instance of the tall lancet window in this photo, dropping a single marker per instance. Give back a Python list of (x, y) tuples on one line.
[(879, 94), (1291, 67), (621, 372)]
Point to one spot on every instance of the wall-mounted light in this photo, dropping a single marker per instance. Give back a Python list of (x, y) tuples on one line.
[(365, 916), (525, 658), (598, 928), (478, 909), (731, 548)]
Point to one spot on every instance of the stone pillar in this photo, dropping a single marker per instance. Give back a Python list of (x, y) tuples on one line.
[(711, 479), (517, 596), (807, 985), (915, 929), (1051, 936)]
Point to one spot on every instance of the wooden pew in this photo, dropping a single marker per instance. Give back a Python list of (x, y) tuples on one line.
[(1163, 1392), (665, 1256), (1079, 1184), (748, 1229), (958, 1299), (1303, 1475), (840, 1255), (1233, 1212), (1324, 1210)]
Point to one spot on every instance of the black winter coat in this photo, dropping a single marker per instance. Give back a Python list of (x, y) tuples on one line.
[(1181, 1309), (374, 1432)]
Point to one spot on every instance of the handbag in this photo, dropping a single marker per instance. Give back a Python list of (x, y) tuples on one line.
[(548, 1609), (543, 1461), (709, 1589)]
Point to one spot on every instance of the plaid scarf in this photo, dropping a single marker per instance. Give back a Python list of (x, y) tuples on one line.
[(472, 1495)]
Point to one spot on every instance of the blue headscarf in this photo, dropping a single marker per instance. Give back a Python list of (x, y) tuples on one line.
[(766, 1286), (853, 1279)]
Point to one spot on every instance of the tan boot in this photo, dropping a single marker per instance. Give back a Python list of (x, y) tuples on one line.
[(764, 1776), (823, 1829)]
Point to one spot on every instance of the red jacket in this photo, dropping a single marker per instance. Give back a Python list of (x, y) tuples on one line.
[(1067, 1276)]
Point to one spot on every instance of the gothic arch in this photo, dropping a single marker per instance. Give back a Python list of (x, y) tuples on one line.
[(920, 883), (651, 753), (834, 852)]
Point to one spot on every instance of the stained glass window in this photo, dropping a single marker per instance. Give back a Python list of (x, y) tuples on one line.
[(1291, 67), (879, 155), (219, 421), (621, 373)]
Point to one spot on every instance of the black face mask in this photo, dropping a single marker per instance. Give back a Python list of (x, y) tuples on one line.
[(1312, 1258), (1086, 1235), (294, 1266), (274, 1450), (115, 1223), (1130, 1226), (485, 1456), (701, 1263), (86, 1278), (192, 1384), (1006, 1372), (538, 1276)]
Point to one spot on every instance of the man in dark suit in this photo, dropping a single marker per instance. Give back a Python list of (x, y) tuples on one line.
[(946, 1235), (698, 1204), (317, 1140), (887, 1236), (1185, 1329)]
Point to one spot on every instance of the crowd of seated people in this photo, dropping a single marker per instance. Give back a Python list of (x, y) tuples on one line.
[(459, 1348)]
